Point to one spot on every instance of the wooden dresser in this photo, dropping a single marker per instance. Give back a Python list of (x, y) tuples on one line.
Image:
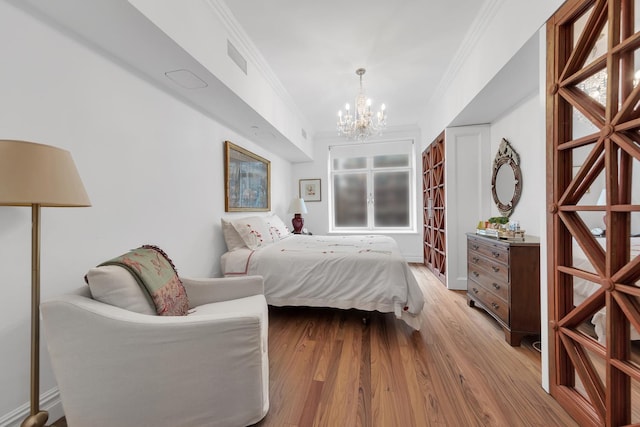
[(503, 278)]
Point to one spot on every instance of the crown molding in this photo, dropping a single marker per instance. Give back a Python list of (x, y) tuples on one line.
[(239, 36), (477, 28)]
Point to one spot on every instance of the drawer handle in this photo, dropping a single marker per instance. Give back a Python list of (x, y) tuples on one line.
[(496, 286), (495, 254), (475, 247), (475, 273), (475, 290), (475, 259), (495, 269), (495, 306)]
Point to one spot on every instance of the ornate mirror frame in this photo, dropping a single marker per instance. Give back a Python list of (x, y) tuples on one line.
[(507, 156)]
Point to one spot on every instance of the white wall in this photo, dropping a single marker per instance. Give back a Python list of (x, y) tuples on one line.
[(152, 166), (317, 219), (525, 133)]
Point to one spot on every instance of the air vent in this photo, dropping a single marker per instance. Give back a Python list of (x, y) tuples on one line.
[(304, 133), (186, 79), (236, 57)]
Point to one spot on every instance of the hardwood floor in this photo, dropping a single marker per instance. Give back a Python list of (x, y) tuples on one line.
[(329, 368)]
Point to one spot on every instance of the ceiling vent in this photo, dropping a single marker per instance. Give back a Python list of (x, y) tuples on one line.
[(186, 79), (236, 57)]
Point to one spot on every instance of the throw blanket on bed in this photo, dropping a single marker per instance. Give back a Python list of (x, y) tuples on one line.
[(157, 277)]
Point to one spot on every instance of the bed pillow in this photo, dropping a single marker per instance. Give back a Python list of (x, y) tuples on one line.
[(113, 285), (277, 228), (231, 236), (254, 231)]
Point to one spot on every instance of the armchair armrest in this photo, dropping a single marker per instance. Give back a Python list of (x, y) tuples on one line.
[(208, 290)]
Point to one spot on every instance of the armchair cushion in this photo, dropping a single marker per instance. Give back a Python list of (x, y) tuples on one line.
[(154, 273), (113, 285)]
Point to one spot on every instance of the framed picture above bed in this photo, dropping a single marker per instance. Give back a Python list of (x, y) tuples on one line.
[(247, 179), (310, 190)]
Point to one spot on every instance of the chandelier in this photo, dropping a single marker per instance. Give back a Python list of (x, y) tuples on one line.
[(362, 123)]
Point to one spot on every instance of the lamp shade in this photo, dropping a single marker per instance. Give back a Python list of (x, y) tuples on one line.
[(297, 206), (40, 174)]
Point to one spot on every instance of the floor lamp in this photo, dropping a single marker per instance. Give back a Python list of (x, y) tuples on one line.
[(37, 175)]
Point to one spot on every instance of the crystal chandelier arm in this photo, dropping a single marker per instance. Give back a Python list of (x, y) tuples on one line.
[(363, 123)]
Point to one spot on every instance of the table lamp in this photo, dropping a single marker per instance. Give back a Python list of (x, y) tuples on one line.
[(297, 208), (37, 175)]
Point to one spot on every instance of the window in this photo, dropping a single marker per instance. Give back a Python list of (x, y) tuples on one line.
[(372, 186)]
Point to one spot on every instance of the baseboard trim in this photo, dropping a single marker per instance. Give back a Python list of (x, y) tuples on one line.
[(49, 401)]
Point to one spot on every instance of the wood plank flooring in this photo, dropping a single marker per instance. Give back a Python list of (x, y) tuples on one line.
[(329, 368)]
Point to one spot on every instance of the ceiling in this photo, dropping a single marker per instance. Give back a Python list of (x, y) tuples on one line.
[(313, 49)]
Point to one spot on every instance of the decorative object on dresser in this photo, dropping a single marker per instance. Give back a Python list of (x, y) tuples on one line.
[(503, 278), (297, 208)]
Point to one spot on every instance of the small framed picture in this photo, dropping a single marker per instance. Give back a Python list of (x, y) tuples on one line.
[(310, 190)]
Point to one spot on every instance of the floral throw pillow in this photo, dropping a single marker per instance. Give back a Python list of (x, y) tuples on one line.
[(253, 231), (277, 228)]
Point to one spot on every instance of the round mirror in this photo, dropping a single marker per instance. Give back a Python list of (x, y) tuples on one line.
[(506, 181)]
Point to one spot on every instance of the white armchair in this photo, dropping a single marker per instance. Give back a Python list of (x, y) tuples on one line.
[(117, 367)]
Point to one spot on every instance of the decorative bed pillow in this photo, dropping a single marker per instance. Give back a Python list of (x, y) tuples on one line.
[(231, 236), (156, 277), (254, 231), (277, 228)]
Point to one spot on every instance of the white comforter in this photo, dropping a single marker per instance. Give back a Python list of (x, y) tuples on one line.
[(362, 272)]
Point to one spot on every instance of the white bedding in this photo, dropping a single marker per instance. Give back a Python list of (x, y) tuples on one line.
[(362, 272), (582, 289)]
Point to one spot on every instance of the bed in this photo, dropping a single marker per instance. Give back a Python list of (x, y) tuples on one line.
[(364, 272), (582, 289)]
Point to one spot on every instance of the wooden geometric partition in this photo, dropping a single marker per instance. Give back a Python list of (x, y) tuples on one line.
[(434, 208), (593, 144)]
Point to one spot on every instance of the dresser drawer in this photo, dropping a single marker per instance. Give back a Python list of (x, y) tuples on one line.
[(496, 305), (498, 286), (492, 251), (497, 270)]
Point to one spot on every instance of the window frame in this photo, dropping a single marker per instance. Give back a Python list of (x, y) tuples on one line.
[(369, 150)]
